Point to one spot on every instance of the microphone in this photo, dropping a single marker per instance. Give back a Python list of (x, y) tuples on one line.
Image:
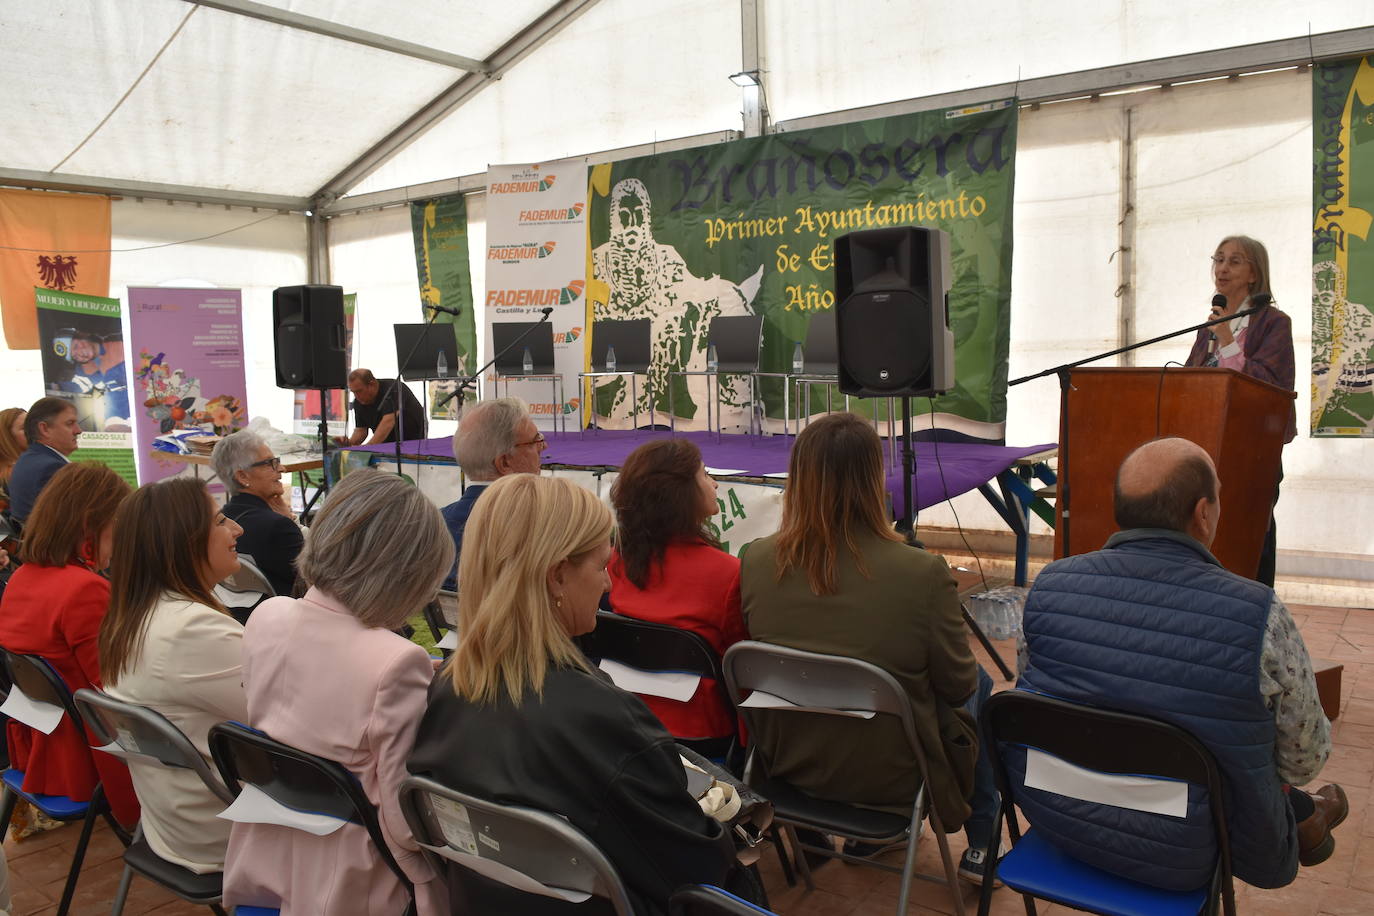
[(1218, 305), (547, 310), (451, 310), (448, 397)]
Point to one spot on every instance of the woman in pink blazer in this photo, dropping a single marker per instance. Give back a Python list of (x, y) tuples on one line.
[(325, 673)]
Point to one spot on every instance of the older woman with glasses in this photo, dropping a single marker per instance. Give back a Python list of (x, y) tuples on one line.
[(1259, 345), (257, 501)]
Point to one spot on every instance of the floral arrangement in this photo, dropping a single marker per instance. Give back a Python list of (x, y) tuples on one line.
[(174, 401)]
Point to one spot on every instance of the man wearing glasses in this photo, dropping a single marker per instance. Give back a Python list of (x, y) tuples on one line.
[(251, 475), (496, 438)]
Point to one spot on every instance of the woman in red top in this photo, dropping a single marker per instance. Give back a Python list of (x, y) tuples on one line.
[(52, 608), (669, 568)]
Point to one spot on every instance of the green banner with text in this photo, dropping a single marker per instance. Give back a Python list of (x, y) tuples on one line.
[(1342, 250), (748, 227), (440, 230)]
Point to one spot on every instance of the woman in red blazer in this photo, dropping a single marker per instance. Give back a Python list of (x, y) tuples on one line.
[(53, 607), (669, 568)]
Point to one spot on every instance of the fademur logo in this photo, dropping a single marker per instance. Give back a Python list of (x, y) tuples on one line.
[(568, 336), (551, 296), (547, 408), (556, 215), (527, 251), (522, 187)]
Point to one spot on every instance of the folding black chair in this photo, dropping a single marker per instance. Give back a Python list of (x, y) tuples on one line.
[(244, 590), (709, 900), (1106, 742), (835, 685), (657, 647), (299, 781), (43, 687), (437, 624), (140, 734), (531, 852)]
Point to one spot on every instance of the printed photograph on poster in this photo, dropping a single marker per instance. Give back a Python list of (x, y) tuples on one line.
[(82, 346)]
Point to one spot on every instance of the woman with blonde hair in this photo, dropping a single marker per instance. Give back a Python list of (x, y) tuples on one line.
[(12, 443), (837, 579), (325, 673), (53, 608), (520, 717), (168, 644)]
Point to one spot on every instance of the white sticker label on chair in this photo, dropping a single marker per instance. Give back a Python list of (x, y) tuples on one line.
[(254, 806), (33, 713), (760, 700), (669, 684), (454, 823), (450, 641), (1138, 793)]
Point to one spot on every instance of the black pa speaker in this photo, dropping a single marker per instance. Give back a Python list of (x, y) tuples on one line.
[(308, 327), (892, 312)]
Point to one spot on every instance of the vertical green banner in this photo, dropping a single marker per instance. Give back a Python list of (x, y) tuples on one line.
[(748, 228), (82, 344), (1342, 253), (440, 229)]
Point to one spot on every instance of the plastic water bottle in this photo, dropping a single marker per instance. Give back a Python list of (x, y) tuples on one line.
[(528, 364), (712, 363), (798, 363), (441, 366), (610, 359)]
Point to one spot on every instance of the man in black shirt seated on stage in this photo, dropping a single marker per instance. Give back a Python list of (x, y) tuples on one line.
[(374, 410)]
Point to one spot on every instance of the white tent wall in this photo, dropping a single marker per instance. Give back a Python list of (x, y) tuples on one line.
[(254, 258)]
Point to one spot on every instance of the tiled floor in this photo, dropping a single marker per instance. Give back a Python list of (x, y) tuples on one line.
[(1342, 886)]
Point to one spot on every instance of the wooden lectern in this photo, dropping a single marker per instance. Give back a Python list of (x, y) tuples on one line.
[(1238, 420)]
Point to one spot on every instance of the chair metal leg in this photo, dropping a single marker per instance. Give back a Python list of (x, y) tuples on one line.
[(8, 799), (951, 876), (217, 909), (122, 894), (87, 824), (780, 848), (800, 857)]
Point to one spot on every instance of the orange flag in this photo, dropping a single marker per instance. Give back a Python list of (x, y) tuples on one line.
[(56, 241)]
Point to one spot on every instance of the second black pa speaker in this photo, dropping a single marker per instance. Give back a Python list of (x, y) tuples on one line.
[(308, 329), (892, 312)]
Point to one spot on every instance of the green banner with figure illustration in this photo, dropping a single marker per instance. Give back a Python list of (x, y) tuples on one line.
[(748, 228), (1342, 250), (440, 230)]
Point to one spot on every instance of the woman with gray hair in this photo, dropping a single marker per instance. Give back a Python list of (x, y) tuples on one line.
[(326, 674), (251, 475)]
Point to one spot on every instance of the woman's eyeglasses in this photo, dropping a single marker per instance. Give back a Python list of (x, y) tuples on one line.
[(274, 462)]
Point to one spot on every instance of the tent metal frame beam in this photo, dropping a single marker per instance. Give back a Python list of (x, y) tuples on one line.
[(329, 29), (524, 42), (58, 181), (477, 183), (1287, 52)]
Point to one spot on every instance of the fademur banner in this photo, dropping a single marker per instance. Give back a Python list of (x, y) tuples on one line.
[(1342, 253), (748, 228)]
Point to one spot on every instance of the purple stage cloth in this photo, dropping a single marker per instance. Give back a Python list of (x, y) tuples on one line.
[(943, 470)]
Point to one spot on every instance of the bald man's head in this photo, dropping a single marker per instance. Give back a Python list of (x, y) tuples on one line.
[(1168, 483)]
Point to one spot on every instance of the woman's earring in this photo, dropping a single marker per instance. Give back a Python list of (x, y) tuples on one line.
[(558, 603)]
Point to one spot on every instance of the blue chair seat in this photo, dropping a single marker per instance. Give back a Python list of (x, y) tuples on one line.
[(1036, 867), (255, 911), (57, 807)]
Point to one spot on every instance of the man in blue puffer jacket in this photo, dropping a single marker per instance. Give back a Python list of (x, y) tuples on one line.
[(1152, 624)]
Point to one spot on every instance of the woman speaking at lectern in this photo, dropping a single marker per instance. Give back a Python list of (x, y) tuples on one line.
[(1259, 345)]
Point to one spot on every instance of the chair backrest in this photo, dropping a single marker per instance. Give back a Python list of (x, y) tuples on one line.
[(144, 734), (631, 339), (539, 343), (525, 849), (38, 681), (297, 780), (821, 353), (708, 900), (1104, 741), (245, 588), (736, 339)]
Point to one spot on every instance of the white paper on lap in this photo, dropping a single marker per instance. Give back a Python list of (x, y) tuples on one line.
[(1139, 793), (669, 684), (254, 806), (33, 713)]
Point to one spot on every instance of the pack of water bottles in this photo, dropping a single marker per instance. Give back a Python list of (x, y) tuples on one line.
[(998, 611)]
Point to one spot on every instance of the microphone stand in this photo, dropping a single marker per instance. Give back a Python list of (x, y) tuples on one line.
[(471, 380), (1063, 372)]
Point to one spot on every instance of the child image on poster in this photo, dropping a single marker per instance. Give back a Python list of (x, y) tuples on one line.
[(173, 400), (85, 365)]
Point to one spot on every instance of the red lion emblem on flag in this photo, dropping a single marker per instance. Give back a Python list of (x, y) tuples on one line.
[(57, 272)]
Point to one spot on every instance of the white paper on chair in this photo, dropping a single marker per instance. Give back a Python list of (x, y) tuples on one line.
[(450, 641), (776, 475), (669, 684), (1139, 793), (33, 713), (760, 700), (725, 472), (254, 806)]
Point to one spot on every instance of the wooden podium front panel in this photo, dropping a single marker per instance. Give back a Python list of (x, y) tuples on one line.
[(1237, 420)]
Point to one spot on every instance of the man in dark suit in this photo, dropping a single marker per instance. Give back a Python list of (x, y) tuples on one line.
[(52, 430), (251, 475), (495, 438)]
